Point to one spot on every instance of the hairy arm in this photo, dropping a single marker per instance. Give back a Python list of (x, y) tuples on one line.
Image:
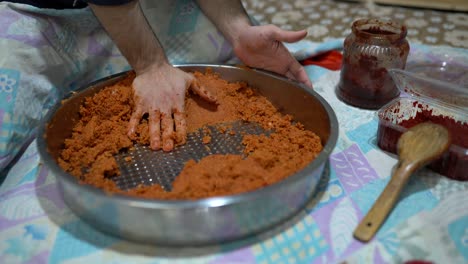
[(229, 16), (129, 29), (158, 88), (256, 46)]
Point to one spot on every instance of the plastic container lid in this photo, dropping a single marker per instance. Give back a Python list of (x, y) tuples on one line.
[(442, 93), (437, 87), (438, 76)]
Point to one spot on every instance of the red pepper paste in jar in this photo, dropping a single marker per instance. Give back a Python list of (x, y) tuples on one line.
[(454, 163), (373, 47)]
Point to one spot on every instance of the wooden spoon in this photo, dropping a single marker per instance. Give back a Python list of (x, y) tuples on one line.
[(417, 147)]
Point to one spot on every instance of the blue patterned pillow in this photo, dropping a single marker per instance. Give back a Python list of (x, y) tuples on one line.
[(45, 55), (10, 133)]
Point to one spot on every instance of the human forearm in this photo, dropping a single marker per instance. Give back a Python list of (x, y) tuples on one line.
[(128, 28), (229, 16)]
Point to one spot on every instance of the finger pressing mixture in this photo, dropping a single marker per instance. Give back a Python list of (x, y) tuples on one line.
[(101, 133)]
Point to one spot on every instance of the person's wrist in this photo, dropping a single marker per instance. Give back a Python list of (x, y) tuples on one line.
[(236, 29), (153, 65)]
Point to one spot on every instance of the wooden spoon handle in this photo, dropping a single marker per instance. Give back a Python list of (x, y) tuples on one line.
[(384, 204)]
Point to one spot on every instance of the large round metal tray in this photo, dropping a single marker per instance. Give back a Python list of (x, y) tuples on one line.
[(201, 221)]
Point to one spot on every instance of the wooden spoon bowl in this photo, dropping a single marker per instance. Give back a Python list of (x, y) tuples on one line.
[(417, 147)]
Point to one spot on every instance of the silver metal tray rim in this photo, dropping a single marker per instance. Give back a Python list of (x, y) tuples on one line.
[(200, 203)]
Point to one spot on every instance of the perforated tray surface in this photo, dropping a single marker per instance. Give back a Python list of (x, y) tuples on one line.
[(142, 165)]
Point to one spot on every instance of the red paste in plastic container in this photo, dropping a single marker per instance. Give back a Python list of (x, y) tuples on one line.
[(404, 113)]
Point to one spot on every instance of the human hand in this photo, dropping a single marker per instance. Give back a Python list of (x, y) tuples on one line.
[(160, 92), (262, 47)]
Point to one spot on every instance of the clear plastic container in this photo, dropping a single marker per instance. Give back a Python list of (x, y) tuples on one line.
[(443, 101)]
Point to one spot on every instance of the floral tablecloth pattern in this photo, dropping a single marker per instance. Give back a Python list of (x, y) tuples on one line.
[(325, 19), (430, 221)]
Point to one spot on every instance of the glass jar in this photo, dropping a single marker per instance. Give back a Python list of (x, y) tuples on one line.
[(373, 47)]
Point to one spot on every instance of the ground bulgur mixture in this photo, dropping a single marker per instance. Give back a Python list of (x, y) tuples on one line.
[(102, 132)]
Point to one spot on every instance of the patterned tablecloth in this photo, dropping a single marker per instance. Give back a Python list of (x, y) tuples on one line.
[(430, 221), (327, 19)]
